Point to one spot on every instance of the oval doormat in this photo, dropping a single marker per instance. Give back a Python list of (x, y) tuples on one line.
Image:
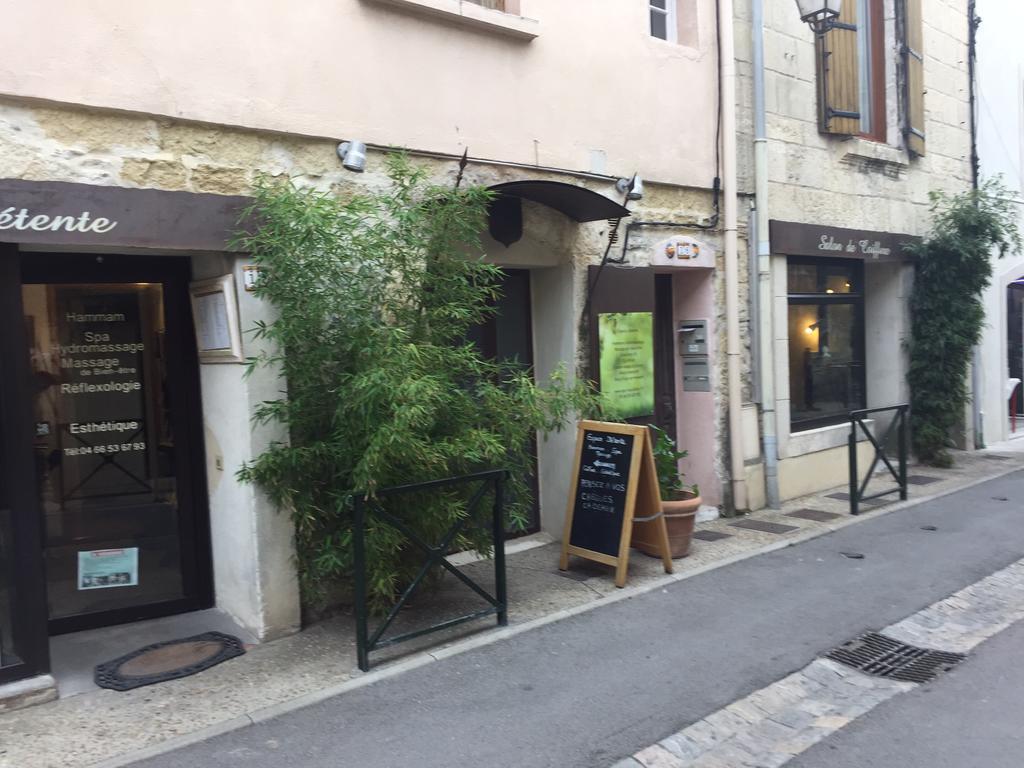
[(168, 660)]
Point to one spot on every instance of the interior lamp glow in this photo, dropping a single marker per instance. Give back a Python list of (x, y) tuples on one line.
[(819, 14)]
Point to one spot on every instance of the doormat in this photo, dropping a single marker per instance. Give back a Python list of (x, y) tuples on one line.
[(168, 660)]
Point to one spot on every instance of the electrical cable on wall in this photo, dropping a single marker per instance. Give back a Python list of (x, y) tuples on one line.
[(716, 185), (716, 189)]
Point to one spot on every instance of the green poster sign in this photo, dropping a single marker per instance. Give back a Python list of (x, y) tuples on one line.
[(626, 344)]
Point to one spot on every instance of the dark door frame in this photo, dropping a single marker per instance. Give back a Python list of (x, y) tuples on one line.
[(488, 347), (173, 273), (16, 431)]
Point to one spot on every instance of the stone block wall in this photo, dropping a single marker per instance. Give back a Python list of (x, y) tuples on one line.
[(74, 144)]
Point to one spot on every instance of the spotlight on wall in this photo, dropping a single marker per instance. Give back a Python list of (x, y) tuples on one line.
[(353, 155), (633, 188), (811, 328), (820, 14)]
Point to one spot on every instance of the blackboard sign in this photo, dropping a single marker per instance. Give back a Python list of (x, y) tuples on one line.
[(600, 503), (613, 480)]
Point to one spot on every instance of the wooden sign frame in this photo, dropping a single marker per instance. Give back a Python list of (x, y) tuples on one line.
[(643, 500)]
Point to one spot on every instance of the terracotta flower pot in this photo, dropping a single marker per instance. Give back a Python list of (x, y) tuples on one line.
[(680, 515)]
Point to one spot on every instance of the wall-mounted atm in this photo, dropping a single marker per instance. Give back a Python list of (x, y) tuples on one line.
[(693, 347)]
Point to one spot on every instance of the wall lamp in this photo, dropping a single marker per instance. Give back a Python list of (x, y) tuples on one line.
[(821, 15), (632, 188), (353, 155)]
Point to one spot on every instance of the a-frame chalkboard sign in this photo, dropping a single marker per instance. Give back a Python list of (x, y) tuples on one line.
[(614, 484)]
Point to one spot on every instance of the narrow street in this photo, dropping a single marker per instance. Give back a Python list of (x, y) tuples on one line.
[(594, 689), (969, 717)]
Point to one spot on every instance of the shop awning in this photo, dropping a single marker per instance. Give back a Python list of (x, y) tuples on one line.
[(578, 203)]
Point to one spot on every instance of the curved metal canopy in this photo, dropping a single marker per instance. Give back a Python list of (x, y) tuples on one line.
[(578, 203)]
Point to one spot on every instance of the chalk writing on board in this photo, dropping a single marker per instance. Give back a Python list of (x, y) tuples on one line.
[(601, 491)]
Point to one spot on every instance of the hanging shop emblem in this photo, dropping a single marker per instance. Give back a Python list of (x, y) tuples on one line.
[(683, 251)]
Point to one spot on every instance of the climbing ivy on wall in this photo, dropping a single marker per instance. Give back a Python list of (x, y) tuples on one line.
[(954, 266)]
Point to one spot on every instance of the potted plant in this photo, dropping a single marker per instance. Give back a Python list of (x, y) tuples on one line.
[(679, 501)]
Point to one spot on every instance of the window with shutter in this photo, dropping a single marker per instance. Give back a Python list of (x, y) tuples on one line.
[(839, 75), (912, 39)]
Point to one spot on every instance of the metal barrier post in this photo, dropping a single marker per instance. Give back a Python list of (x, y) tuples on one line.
[(854, 482), (903, 452), (359, 550), (436, 554), (500, 585), (898, 424)]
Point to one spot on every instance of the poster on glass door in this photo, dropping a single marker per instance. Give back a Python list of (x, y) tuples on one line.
[(626, 347), (105, 568)]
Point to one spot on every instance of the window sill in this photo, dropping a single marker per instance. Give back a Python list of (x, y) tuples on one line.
[(874, 156), (469, 14), (821, 439)]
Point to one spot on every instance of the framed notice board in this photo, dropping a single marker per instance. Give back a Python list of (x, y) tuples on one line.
[(614, 484), (215, 315)]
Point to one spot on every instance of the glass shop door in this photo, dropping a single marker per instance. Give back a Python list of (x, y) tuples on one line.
[(24, 651), (117, 441)]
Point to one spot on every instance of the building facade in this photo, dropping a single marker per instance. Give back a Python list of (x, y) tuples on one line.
[(124, 162), (999, 114), (712, 174), (849, 132)]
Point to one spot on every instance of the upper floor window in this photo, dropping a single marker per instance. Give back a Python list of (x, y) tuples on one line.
[(505, 6), (852, 72), (664, 25)]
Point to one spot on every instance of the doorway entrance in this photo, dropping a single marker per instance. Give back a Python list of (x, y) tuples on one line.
[(507, 337), (1015, 355), (116, 487)]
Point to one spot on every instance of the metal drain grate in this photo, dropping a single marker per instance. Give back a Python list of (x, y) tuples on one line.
[(882, 656)]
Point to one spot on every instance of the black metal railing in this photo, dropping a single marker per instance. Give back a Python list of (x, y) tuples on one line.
[(898, 426), (436, 555)]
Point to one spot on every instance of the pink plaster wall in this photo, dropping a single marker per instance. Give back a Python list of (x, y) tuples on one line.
[(593, 79), (693, 293)]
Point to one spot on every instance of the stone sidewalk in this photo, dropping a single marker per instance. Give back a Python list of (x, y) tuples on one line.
[(771, 726), (108, 727)]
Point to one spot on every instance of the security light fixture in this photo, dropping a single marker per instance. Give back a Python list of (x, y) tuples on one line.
[(821, 15), (353, 155), (633, 188)]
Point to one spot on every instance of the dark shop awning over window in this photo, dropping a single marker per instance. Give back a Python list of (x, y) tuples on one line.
[(578, 203)]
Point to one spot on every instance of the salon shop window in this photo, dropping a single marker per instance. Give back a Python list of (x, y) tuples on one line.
[(826, 341)]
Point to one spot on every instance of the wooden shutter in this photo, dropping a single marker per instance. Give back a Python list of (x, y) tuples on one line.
[(913, 75), (839, 75)]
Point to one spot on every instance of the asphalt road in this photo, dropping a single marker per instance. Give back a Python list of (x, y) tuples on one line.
[(589, 690), (970, 717)]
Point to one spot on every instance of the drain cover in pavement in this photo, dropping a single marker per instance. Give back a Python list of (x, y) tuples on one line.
[(882, 656), (711, 535), (169, 660), (818, 515), (923, 480), (846, 497), (766, 527)]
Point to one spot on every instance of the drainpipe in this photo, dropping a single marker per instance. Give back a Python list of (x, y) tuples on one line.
[(732, 286), (976, 366), (765, 289)]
